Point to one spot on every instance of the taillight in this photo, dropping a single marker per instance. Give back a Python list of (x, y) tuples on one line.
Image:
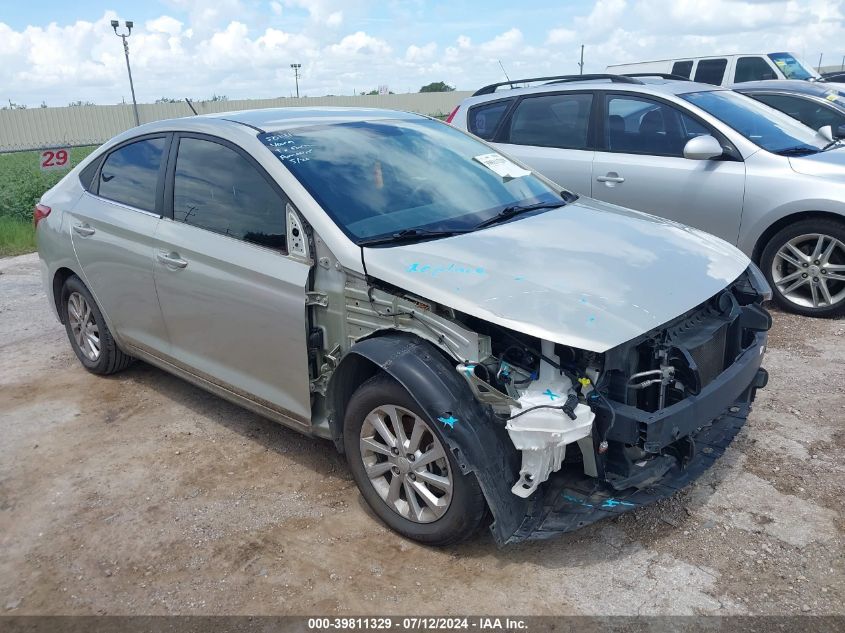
[(452, 116), (41, 212)]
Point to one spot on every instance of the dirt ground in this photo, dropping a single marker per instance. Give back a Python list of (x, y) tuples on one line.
[(141, 494)]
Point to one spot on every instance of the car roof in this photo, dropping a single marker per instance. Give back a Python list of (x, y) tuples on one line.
[(646, 85), (275, 119), (270, 119), (787, 85)]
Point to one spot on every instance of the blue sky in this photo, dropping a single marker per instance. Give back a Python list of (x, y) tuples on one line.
[(58, 51)]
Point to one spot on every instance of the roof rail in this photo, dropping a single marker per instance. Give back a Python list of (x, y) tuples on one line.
[(622, 79), (660, 75)]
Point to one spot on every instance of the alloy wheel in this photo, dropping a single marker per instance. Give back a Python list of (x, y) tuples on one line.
[(83, 326), (809, 270), (406, 463)]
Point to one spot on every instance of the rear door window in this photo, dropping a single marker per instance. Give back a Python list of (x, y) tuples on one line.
[(217, 189), (560, 120), (711, 71), (683, 68), (484, 119), (753, 69), (130, 174)]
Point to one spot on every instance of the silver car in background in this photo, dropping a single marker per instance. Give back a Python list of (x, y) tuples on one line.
[(476, 340), (695, 153)]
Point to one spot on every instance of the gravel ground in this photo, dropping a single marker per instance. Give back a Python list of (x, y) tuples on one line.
[(140, 494)]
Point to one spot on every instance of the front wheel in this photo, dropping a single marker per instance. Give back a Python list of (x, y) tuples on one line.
[(404, 469), (805, 265)]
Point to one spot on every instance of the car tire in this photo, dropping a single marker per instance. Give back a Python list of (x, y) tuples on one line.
[(89, 336), (453, 515), (805, 266)]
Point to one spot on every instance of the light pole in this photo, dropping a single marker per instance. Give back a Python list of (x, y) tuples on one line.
[(296, 68), (129, 24)]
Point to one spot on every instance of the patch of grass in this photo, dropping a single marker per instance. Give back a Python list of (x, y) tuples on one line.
[(22, 183), (16, 236)]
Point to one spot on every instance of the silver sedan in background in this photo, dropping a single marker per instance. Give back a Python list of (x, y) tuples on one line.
[(695, 153)]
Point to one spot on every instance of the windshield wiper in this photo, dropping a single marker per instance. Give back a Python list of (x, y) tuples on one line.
[(508, 212), (408, 235), (798, 150), (832, 143)]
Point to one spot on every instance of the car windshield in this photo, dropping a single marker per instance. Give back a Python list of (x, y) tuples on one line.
[(378, 178), (764, 126), (791, 67)]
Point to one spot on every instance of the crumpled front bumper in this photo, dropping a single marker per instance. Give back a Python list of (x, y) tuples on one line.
[(570, 503)]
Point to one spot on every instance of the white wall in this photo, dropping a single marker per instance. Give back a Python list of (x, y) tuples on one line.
[(41, 128)]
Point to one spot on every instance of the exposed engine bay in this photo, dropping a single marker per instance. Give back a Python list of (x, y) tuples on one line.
[(611, 424)]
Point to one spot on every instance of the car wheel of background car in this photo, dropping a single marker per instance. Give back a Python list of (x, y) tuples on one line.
[(404, 469), (87, 330), (805, 265)]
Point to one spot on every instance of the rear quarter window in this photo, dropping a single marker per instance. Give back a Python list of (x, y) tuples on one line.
[(483, 120)]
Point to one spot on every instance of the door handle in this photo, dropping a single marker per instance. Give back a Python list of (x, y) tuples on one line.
[(84, 230), (172, 259), (611, 177)]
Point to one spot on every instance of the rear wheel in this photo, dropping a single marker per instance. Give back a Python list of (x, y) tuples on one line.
[(805, 265), (86, 328), (404, 469)]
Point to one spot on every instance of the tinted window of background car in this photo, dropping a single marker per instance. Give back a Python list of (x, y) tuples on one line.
[(711, 71), (682, 69), (637, 125), (807, 111), (130, 174), (552, 121), (753, 69), (484, 119), (217, 189)]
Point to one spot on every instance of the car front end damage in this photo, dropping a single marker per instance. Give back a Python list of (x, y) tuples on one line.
[(560, 437)]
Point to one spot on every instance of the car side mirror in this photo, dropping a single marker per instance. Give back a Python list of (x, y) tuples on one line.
[(703, 147), (826, 132)]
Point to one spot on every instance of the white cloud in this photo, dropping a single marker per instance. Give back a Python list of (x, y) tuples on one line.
[(197, 47)]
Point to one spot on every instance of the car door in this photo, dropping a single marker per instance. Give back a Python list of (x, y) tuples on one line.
[(112, 229), (551, 133), (640, 164), (232, 297)]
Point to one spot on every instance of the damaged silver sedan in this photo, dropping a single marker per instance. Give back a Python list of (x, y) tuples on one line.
[(485, 347)]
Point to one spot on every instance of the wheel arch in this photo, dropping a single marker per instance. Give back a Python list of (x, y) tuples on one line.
[(478, 441), (779, 224), (59, 278)]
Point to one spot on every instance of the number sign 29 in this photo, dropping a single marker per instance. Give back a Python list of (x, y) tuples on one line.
[(52, 159)]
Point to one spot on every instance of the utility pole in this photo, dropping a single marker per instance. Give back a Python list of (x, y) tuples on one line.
[(581, 63), (820, 61), (843, 63), (129, 24), (296, 68)]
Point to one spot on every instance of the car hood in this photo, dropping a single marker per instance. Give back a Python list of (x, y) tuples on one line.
[(828, 164), (590, 275)]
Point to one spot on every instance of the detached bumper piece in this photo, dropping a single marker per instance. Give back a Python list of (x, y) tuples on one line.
[(572, 500)]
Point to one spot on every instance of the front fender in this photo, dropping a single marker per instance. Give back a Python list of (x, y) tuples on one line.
[(478, 441)]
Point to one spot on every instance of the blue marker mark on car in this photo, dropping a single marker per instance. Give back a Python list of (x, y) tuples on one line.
[(435, 271), (551, 394), (450, 421), (612, 503), (577, 501)]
